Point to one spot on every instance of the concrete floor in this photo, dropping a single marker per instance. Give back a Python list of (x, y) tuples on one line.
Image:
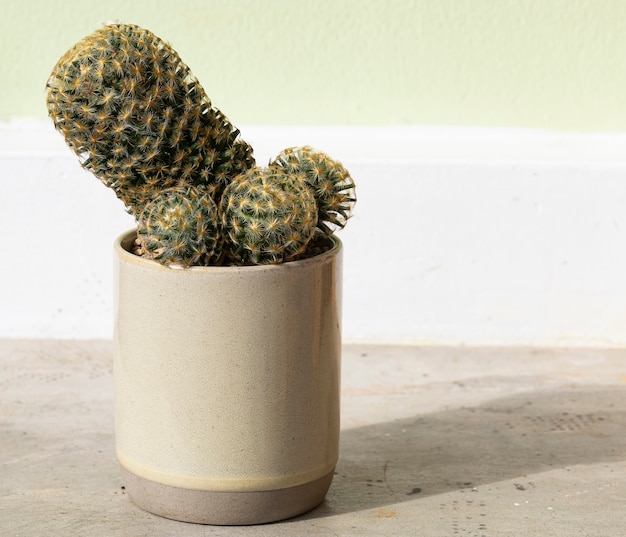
[(435, 442)]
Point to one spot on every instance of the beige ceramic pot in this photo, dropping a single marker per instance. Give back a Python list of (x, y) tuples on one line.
[(227, 386)]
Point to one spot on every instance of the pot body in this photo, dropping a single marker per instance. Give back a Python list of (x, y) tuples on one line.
[(227, 386)]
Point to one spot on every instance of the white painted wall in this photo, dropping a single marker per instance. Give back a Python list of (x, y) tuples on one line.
[(460, 236)]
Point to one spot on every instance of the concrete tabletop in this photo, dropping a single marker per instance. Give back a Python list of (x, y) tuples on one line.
[(493, 442)]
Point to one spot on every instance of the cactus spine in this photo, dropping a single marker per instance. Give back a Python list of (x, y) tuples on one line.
[(330, 182), (180, 226), (137, 118), (268, 215)]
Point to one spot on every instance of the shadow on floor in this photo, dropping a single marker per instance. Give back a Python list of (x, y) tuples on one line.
[(466, 448)]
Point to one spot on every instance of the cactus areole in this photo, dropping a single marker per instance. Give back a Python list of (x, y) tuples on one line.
[(137, 118)]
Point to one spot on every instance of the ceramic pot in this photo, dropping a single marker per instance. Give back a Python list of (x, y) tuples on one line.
[(227, 386)]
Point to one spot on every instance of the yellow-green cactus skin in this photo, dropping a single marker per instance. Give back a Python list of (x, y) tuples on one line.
[(268, 216), (330, 182), (180, 226)]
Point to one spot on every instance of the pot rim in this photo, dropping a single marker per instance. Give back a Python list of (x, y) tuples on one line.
[(123, 241)]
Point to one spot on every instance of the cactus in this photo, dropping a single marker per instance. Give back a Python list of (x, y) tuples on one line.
[(136, 117), (330, 182), (268, 216), (180, 226), (132, 111)]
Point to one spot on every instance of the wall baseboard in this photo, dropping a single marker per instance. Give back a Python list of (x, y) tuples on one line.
[(460, 236)]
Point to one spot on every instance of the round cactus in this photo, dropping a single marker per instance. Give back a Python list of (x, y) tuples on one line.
[(330, 182), (268, 216), (137, 118), (180, 226)]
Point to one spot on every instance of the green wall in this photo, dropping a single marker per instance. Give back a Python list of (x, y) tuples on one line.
[(555, 64)]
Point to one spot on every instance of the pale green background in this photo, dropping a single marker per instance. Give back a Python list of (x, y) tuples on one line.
[(554, 64)]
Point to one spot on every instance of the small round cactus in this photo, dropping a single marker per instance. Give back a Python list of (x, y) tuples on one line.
[(137, 118), (330, 182), (180, 226), (268, 216)]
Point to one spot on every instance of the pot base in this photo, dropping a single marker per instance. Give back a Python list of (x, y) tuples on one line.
[(224, 508)]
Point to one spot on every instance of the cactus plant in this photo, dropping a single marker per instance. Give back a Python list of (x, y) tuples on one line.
[(136, 117), (180, 226), (268, 215), (132, 111), (329, 180)]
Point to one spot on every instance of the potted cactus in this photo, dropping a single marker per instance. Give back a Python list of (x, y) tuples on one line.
[(228, 301)]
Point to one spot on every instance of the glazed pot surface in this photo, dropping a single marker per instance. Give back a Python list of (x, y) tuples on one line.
[(227, 384)]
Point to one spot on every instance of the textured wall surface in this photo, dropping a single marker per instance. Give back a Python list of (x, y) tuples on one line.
[(491, 199), (556, 64)]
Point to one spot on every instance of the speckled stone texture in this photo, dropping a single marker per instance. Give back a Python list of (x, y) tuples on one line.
[(435, 442)]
